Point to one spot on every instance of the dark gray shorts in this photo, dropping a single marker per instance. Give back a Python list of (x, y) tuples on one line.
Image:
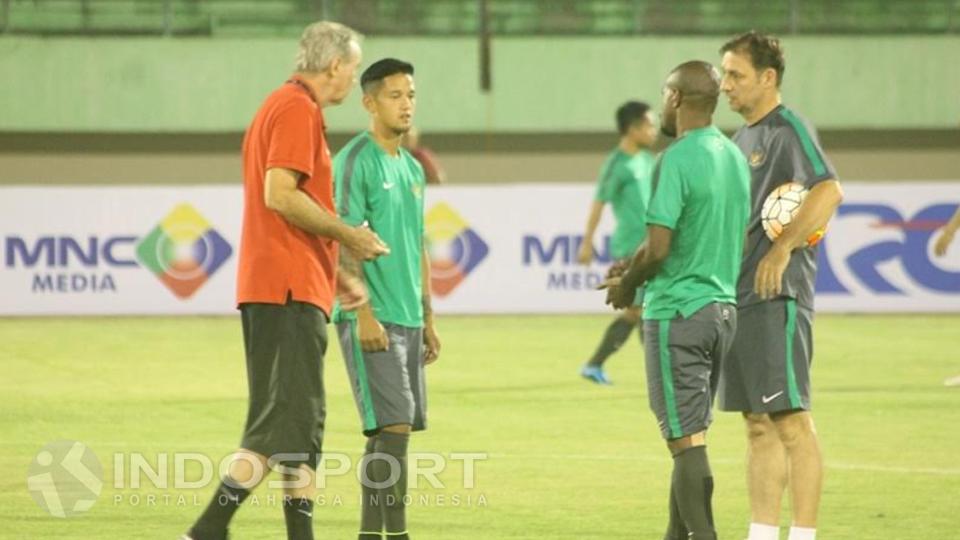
[(683, 358), (388, 386), (768, 368), (284, 347)]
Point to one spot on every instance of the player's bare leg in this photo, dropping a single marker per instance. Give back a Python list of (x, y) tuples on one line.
[(799, 438), (632, 316), (766, 469), (691, 490), (613, 338), (247, 468), (303, 485)]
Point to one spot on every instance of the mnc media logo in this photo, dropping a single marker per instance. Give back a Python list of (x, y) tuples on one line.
[(455, 249), (183, 251)]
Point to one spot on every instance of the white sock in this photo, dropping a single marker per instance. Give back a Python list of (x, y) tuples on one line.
[(759, 531), (802, 533)]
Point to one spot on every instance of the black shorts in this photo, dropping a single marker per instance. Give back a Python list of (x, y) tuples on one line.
[(284, 347), (768, 368)]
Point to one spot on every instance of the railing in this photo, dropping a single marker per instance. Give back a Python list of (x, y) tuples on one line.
[(462, 17)]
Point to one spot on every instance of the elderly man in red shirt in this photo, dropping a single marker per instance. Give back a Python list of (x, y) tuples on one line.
[(287, 280)]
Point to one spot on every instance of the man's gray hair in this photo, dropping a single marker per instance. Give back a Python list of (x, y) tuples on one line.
[(323, 42)]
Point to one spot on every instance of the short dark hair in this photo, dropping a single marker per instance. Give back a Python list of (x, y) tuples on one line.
[(380, 70), (630, 112), (764, 51)]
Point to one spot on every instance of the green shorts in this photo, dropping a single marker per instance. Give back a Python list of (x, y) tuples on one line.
[(683, 358), (768, 368), (389, 387), (284, 347)]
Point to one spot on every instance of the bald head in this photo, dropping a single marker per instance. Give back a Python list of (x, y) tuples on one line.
[(698, 83), (689, 98)]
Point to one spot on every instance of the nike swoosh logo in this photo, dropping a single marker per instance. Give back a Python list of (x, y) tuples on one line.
[(766, 399), (304, 512), (387, 186)]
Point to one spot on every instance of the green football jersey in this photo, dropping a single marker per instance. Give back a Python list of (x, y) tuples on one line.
[(701, 190), (625, 184), (386, 192)]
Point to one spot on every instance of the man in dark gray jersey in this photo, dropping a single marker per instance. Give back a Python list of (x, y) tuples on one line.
[(767, 373)]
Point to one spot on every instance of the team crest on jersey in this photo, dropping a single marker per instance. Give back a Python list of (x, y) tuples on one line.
[(417, 190), (757, 157)]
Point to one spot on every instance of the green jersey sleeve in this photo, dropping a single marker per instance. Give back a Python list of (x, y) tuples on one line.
[(351, 178), (609, 183), (667, 199)]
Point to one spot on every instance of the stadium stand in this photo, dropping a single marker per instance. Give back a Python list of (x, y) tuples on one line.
[(460, 17)]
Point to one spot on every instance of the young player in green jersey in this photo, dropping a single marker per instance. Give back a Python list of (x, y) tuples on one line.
[(387, 342), (624, 184)]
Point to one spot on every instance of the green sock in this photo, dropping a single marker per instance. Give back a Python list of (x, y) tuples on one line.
[(693, 487), (614, 338), (392, 502)]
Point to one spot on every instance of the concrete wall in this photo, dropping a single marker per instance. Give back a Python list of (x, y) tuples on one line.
[(551, 84), (154, 110)]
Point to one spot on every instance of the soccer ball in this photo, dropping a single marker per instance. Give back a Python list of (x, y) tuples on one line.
[(781, 207)]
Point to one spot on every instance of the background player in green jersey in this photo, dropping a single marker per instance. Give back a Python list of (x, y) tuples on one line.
[(690, 262), (767, 375), (387, 341), (624, 183)]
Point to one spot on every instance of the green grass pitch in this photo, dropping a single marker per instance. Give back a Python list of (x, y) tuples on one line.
[(566, 459)]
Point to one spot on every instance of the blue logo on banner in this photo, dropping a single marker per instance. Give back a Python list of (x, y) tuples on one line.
[(912, 252), (561, 251)]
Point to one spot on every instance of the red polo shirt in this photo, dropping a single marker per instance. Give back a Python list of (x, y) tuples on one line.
[(277, 258)]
